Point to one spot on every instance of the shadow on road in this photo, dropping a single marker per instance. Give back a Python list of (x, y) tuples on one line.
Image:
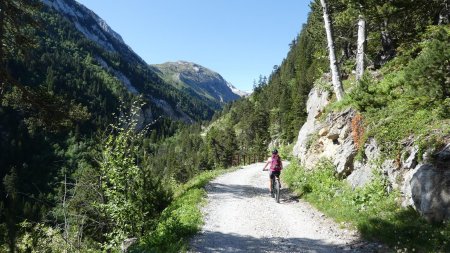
[(247, 191), (210, 241), (237, 191)]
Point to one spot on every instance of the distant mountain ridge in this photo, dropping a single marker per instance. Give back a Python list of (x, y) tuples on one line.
[(198, 81)]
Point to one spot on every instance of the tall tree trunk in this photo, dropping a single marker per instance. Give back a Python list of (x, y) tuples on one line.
[(335, 74), (387, 43), (2, 34), (360, 51), (444, 15), (2, 49)]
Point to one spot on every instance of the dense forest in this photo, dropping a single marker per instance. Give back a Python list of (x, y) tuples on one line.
[(81, 173), (57, 103)]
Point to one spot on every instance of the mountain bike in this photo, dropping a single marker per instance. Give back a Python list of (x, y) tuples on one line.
[(275, 191)]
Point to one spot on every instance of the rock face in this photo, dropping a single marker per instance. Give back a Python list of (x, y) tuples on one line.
[(424, 185), (315, 105)]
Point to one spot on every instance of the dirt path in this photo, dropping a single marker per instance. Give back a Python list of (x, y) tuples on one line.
[(242, 217)]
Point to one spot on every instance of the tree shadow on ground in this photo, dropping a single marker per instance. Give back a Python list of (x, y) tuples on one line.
[(238, 191), (210, 241), (248, 191)]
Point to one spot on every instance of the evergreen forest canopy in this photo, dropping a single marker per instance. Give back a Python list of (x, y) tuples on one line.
[(80, 173)]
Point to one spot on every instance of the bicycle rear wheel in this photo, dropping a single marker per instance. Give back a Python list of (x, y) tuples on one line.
[(277, 190)]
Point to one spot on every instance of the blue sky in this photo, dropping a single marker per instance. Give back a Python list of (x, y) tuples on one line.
[(239, 39)]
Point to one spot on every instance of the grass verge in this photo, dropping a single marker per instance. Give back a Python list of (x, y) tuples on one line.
[(181, 219), (370, 209)]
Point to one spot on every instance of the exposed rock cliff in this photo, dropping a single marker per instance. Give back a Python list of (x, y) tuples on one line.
[(424, 182)]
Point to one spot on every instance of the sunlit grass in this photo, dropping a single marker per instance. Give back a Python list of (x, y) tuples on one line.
[(182, 219)]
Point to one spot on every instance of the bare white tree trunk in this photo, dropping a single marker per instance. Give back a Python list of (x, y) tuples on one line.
[(360, 51), (335, 74)]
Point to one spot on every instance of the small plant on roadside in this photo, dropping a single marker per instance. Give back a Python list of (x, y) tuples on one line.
[(181, 219)]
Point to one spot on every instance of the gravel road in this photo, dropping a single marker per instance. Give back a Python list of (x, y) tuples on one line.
[(242, 217)]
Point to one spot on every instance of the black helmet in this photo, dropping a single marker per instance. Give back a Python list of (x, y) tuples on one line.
[(275, 151)]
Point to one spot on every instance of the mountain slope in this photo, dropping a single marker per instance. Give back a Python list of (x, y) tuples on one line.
[(198, 81), (85, 35)]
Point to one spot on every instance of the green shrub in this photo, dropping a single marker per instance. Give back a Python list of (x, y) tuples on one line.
[(181, 219), (371, 209), (412, 99)]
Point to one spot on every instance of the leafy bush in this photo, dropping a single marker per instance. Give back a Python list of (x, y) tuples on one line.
[(181, 219), (134, 191)]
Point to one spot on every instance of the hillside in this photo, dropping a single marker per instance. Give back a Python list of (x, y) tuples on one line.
[(89, 43), (199, 82)]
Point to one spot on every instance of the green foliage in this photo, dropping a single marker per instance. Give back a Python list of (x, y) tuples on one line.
[(412, 100), (371, 209), (180, 220), (134, 194), (285, 152), (41, 238), (222, 146)]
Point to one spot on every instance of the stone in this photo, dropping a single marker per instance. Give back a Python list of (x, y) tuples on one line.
[(411, 160), (391, 170), (333, 136), (430, 192), (371, 149), (343, 160), (361, 175), (324, 131), (317, 101), (319, 113), (442, 158)]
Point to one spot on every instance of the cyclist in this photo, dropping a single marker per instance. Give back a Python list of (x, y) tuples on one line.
[(275, 167)]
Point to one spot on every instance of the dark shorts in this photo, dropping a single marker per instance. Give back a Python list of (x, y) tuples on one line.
[(274, 173)]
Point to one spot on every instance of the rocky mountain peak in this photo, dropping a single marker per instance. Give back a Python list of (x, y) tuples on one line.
[(198, 79)]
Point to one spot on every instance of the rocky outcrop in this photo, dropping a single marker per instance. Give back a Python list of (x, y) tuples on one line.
[(427, 185), (316, 103), (424, 182)]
